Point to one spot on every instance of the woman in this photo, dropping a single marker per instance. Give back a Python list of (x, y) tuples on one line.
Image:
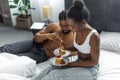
[(86, 41)]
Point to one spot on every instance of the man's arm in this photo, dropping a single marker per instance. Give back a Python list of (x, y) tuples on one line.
[(47, 33)]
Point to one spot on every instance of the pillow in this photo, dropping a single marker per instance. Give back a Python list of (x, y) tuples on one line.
[(110, 41)]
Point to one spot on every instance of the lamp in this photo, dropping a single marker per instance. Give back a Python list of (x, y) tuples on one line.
[(47, 12)]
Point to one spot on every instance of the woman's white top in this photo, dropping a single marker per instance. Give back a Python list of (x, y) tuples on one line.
[(85, 47)]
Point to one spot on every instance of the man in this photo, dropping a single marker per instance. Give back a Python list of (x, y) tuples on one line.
[(49, 39)]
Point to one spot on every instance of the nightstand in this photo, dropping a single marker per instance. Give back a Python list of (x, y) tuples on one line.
[(37, 26)]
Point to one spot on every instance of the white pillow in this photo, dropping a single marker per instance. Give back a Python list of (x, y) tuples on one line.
[(110, 41)]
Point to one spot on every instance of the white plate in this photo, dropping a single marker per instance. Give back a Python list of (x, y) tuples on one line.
[(56, 52), (52, 61), (66, 54)]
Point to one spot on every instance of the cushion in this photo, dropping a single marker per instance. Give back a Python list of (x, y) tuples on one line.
[(110, 41)]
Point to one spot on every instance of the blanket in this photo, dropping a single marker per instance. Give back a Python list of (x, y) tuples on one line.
[(22, 66)]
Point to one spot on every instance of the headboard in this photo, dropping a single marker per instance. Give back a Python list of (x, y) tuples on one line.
[(105, 14)]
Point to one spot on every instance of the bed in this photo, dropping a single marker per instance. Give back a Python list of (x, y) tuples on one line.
[(23, 68)]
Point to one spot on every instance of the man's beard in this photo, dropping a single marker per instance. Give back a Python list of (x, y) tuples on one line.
[(66, 32)]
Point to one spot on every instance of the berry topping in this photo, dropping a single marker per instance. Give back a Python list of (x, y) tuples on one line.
[(58, 56)]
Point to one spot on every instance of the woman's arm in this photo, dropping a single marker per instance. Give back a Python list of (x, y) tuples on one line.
[(94, 55)]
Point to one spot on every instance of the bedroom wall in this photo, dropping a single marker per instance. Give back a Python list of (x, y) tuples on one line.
[(57, 5)]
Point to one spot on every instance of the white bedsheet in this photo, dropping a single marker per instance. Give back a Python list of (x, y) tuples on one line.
[(109, 65)]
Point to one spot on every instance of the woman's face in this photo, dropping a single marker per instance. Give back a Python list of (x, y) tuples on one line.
[(75, 25), (71, 24)]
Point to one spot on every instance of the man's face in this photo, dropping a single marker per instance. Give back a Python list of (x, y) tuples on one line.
[(64, 26)]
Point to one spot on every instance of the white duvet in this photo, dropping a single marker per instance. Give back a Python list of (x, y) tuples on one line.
[(5, 76), (19, 66)]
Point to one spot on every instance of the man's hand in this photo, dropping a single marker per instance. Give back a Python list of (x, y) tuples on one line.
[(54, 36), (61, 45)]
